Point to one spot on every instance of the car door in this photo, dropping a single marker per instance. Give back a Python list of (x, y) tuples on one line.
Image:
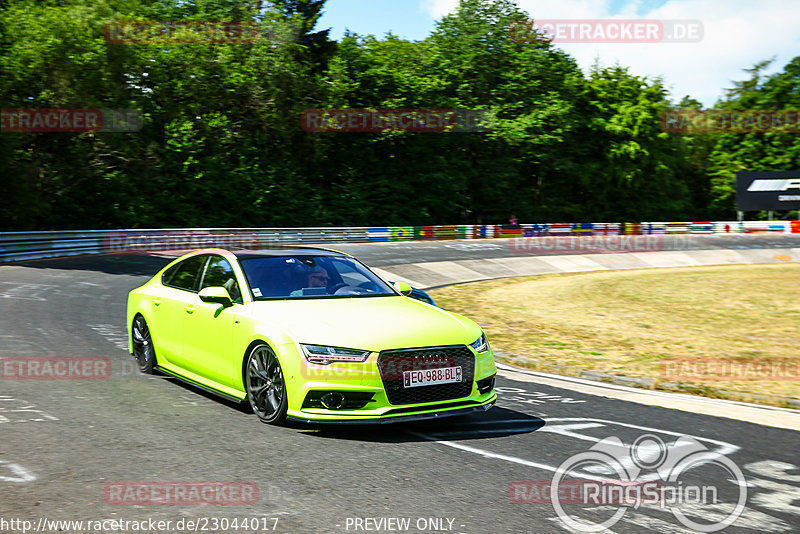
[(179, 291), (208, 327)]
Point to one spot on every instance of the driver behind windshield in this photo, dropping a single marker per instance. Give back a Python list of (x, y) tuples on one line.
[(317, 277)]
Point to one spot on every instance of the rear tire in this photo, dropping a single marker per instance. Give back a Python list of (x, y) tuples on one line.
[(143, 349), (265, 386)]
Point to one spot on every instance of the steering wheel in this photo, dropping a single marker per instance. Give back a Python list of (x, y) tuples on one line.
[(347, 289), (335, 287), (369, 286)]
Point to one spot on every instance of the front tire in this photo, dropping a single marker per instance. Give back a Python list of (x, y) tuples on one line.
[(143, 349), (266, 388)]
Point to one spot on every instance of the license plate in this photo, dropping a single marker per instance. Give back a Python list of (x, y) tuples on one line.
[(430, 377)]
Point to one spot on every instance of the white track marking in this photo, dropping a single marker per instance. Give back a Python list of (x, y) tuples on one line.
[(739, 411), (115, 335), (569, 430), (773, 469), (653, 524), (750, 519), (9, 405), (488, 454), (20, 473), (511, 395), (11, 290), (778, 497)]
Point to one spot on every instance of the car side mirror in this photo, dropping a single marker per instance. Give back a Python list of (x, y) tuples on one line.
[(216, 295), (402, 287), (422, 296)]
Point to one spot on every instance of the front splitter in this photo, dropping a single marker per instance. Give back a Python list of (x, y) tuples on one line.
[(396, 419)]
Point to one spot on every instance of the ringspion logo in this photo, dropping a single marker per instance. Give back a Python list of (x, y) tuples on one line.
[(625, 476), (586, 492)]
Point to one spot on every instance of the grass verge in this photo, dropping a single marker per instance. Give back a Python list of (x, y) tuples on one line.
[(637, 322)]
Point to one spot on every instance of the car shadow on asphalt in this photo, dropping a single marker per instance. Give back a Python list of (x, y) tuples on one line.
[(496, 423), (130, 264), (197, 390)]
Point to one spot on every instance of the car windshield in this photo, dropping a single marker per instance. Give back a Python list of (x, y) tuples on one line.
[(289, 277)]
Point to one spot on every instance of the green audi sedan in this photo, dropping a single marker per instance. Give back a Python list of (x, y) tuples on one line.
[(308, 334)]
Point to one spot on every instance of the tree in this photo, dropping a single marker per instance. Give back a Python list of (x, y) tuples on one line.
[(305, 14), (774, 150), (635, 172)]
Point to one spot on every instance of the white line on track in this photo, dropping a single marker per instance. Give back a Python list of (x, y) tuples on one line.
[(740, 411)]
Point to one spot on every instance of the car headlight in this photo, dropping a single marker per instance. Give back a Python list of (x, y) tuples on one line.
[(480, 344), (324, 355)]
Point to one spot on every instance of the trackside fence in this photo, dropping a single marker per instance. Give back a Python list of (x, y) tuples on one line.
[(16, 246)]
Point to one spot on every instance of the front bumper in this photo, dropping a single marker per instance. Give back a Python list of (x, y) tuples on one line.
[(378, 383), (434, 412)]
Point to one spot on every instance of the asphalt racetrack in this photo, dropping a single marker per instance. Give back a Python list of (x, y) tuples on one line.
[(64, 443)]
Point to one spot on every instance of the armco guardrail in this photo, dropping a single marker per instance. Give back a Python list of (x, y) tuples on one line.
[(15, 246)]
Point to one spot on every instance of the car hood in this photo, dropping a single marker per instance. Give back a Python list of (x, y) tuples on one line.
[(371, 323)]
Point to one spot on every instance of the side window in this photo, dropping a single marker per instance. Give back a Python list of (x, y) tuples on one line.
[(220, 273), (184, 275)]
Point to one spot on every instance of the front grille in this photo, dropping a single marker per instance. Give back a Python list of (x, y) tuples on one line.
[(392, 364)]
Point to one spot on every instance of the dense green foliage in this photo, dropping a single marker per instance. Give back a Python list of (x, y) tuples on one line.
[(222, 143)]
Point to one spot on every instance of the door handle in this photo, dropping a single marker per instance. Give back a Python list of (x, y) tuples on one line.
[(157, 302), (189, 308)]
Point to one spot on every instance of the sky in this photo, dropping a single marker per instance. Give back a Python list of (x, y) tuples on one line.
[(736, 35)]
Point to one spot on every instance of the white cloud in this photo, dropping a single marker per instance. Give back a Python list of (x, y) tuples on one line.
[(737, 34), (438, 8)]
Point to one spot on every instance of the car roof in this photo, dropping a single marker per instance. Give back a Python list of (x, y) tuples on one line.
[(286, 251)]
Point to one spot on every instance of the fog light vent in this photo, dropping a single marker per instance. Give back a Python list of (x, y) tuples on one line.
[(486, 385), (337, 400), (333, 400)]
